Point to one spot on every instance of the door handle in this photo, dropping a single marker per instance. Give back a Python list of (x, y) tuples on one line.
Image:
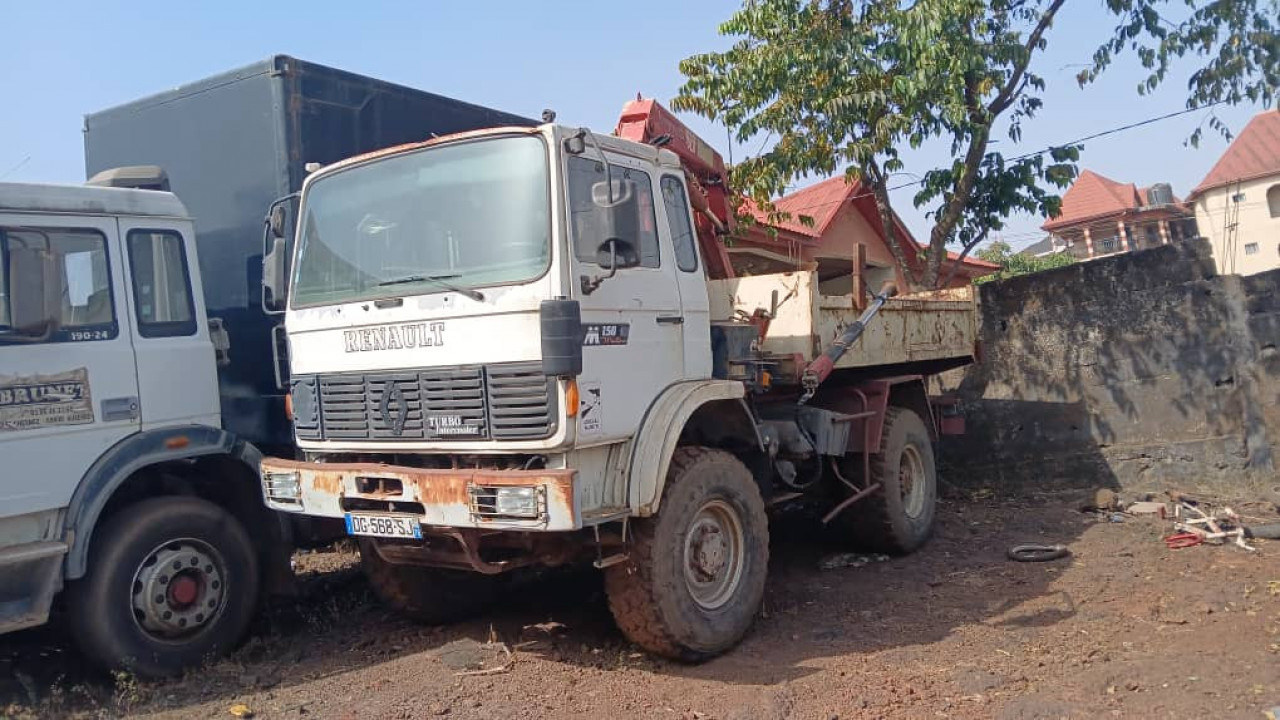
[(670, 319)]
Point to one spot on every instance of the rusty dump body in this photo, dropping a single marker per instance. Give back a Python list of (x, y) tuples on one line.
[(917, 334)]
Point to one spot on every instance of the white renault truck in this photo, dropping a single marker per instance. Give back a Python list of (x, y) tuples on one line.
[(528, 346), (120, 485)]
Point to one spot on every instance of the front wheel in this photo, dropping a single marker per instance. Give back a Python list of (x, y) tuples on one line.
[(172, 581), (695, 575)]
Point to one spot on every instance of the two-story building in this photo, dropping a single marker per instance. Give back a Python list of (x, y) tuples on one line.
[(1103, 217), (1237, 204)]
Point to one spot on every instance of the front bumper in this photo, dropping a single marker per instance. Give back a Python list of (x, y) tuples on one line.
[(442, 498)]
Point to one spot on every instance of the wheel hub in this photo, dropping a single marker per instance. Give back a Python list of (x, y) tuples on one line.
[(178, 588), (714, 554), (912, 481)]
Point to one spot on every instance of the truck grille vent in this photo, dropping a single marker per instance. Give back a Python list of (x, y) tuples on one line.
[(502, 402)]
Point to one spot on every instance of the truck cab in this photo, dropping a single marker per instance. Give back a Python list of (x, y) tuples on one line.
[(110, 427), (503, 354)]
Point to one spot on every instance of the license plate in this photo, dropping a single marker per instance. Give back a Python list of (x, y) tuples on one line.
[(392, 526)]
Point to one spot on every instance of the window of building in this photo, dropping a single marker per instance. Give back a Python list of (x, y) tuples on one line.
[(1273, 200), (161, 284), (1251, 248), (584, 173), (676, 204), (38, 265), (1107, 245)]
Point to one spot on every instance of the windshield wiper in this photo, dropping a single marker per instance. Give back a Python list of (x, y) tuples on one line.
[(438, 280)]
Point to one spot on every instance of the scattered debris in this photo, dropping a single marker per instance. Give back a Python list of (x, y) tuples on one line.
[(854, 560), (1037, 553), (1147, 508), (1177, 541), (1270, 531), (1216, 527)]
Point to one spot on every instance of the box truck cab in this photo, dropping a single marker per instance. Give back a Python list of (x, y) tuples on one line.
[(121, 486)]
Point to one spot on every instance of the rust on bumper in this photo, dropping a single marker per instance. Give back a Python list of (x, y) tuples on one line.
[(445, 496)]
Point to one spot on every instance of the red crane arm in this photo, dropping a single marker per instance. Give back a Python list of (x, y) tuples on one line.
[(646, 121)]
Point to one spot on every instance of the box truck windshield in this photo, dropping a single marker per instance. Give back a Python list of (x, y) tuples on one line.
[(463, 215)]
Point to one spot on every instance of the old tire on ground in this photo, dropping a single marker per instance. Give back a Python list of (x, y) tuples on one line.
[(899, 517), (695, 576), (172, 581), (427, 595)]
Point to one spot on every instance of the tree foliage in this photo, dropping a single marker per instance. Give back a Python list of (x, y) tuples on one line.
[(847, 85), (1013, 264)]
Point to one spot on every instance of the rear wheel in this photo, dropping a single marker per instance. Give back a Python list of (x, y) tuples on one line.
[(427, 595), (899, 517), (172, 581), (695, 575)]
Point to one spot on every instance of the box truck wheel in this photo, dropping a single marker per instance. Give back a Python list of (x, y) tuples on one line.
[(172, 581), (898, 518), (427, 595), (695, 575)]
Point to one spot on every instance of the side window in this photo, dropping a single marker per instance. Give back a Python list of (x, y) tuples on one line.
[(161, 284), (676, 204), (586, 172), (56, 286)]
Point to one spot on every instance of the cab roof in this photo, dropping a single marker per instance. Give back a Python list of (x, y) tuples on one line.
[(88, 200)]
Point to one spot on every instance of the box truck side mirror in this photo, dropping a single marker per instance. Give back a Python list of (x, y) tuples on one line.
[(275, 255), (274, 281)]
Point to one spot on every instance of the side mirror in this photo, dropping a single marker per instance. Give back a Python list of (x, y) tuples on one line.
[(35, 294), (274, 279), (616, 218), (616, 254), (275, 255)]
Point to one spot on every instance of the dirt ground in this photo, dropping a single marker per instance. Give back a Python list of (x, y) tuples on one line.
[(1122, 628)]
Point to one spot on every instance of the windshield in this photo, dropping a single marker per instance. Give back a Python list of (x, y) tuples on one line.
[(455, 216)]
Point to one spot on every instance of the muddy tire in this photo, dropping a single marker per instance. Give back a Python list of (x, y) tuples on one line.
[(431, 596), (172, 582), (694, 579), (899, 517)]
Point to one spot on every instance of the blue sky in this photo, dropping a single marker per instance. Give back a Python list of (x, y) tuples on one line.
[(584, 59)]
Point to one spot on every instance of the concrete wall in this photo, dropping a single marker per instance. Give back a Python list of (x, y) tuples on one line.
[(1256, 225), (1142, 370)]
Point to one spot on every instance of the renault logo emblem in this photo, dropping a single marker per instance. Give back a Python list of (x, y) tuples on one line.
[(395, 411)]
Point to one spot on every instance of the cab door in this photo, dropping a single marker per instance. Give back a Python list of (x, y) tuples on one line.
[(68, 389), (694, 302), (177, 368), (633, 345)]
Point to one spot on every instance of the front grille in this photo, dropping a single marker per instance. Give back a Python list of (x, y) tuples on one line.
[(505, 402)]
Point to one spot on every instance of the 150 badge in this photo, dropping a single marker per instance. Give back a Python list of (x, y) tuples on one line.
[(609, 334)]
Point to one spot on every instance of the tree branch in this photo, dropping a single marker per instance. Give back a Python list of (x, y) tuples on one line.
[(1010, 90), (960, 259), (884, 208)]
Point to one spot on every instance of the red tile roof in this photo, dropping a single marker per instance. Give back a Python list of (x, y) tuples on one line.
[(1094, 196), (820, 201), (1253, 154)]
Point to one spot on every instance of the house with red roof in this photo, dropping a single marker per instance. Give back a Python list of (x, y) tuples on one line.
[(1103, 217), (1237, 204), (844, 242)]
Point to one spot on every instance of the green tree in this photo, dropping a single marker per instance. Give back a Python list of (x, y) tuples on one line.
[(847, 85), (1013, 264)]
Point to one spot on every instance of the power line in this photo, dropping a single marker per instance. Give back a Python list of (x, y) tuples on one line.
[(1051, 148)]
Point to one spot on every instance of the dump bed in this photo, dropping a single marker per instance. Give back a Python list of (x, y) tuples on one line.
[(920, 333)]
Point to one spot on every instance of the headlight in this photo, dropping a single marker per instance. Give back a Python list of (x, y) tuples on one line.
[(516, 501), (282, 487), (507, 502)]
